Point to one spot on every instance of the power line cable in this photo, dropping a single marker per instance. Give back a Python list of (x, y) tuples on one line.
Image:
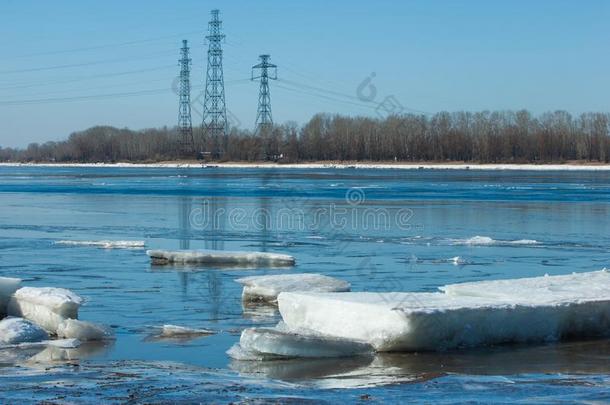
[(98, 62), (84, 78), (104, 46)]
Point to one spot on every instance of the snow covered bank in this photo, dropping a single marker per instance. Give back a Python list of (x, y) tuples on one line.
[(273, 343), (45, 306), (219, 257), (267, 288), (344, 165), (523, 311), (8, 286), (106, 244)]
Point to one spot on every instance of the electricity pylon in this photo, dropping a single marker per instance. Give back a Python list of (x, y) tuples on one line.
[(214, 108), (184, 111), (267, 71)]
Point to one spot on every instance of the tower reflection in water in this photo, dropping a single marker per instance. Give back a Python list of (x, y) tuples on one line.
[(211, 230)]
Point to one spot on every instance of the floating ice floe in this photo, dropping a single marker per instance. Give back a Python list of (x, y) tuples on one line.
[(14, 331), (174, 331), (46, 306), (273, 343), (83, 331), (524, 310), (267, 288), (8, 286), (219, 257), (106, 244), (487, 241), (458, 261)]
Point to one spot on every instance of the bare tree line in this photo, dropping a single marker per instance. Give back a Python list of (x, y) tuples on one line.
[(484, 137)]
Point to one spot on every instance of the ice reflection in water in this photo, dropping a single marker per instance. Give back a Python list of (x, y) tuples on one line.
[(589, 357)]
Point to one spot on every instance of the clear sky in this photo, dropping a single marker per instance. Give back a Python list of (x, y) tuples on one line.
[(69, 65)]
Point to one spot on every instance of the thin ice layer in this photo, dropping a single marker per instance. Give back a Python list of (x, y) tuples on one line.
[(182, 331), (220, 257), (45, 306), (106, 244), (267, 288), (14, 331), (575, 286), (8, 286), (274, 343), (437, 321)]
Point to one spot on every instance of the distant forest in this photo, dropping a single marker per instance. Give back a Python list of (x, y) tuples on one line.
[(481, 137)]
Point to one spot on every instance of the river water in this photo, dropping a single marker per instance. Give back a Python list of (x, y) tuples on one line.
[(382, 230)]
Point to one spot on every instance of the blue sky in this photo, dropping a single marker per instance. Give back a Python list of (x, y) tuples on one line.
[(69, 65)]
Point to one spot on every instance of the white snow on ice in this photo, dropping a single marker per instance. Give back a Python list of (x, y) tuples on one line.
[(14, 331), (45, 306), (220, 257), (106, 244), (571, 287), (525, 310), (267, 288)]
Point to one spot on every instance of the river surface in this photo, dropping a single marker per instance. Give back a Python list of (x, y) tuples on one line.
[(381, 230)]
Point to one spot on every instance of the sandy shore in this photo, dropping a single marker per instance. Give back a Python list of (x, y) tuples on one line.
[(578, 166)]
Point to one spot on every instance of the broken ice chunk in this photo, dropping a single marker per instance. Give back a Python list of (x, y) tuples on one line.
[(45, 306), (7, 287), (220, 257), (267, 288), (275, 342), (83, 331), (14, 331)]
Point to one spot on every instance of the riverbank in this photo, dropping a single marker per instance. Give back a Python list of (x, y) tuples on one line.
[(571, 166)]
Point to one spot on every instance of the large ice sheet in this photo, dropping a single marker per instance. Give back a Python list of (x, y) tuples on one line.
[(267, 288), (220, 257), (272, 343), (14, 331), (45, 306), (438, 321), (7, 287)]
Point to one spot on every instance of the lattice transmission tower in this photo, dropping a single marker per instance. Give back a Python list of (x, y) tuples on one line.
[(184, 111), (214, 108), (264, 71)]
